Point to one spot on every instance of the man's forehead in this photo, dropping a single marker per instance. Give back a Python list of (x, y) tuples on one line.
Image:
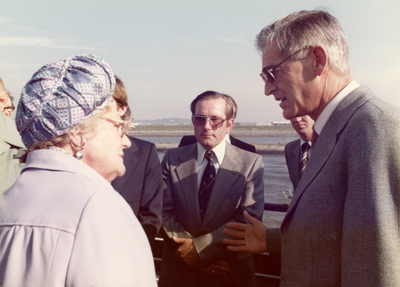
[(5, 94), (215, 104), (270, 55), (212, 102)]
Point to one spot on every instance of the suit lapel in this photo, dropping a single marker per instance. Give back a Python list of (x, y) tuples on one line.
[(187, 175), (327, 141), (226, 178), (132, 159), (295, 161)]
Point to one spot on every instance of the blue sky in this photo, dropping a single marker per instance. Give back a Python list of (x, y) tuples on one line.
[(168, 52)]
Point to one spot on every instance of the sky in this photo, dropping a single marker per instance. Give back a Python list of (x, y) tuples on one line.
[(168, 52)]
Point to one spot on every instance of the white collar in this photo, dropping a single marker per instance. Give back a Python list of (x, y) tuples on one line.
[(219, 152), (303, 141), (228, 138), (331, 106)]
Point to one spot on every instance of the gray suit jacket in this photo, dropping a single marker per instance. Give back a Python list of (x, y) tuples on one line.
[(10, 147), (292, 156), (238, 186), (342, 225)]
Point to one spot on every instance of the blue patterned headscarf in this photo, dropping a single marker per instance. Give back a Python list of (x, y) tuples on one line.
[(61, 95)]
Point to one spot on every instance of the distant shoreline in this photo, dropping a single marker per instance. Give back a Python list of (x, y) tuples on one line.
[(233, 133), (260, 148)]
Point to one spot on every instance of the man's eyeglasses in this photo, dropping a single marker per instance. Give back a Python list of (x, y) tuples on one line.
[(215, 122), (10, 109), (123, 126), (268, 74)]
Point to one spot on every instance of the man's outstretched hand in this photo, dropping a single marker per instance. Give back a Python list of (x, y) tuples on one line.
[(252, 237)]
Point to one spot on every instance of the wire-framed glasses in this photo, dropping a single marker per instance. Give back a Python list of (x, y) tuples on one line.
[(123, 126), (268, 74)]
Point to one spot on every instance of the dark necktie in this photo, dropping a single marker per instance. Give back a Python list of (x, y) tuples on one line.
[(206, 184), (305, 147)]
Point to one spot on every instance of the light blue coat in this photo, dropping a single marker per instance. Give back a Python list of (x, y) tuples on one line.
[(62, 224)]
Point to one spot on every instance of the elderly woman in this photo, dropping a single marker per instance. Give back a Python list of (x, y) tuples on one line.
[(61, 223)]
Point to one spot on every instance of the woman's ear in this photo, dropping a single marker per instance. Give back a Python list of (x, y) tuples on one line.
[(76, 140), (77, 145)]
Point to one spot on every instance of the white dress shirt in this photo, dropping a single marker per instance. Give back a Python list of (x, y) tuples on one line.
[(219, 152), (328, 110)]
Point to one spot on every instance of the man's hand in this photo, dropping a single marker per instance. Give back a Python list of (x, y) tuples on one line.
[(186, 251), (252, 236), (219, 267)]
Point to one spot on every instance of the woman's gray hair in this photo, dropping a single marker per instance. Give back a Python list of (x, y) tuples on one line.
[(87, 127), (308, 28)]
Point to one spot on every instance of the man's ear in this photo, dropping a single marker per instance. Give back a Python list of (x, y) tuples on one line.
[(231, 123), (122, 110), (320, 58)]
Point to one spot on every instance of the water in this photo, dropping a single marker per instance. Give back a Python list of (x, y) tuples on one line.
[(276, 177), (251, 140)]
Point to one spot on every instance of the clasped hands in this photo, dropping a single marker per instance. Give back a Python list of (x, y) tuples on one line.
[(188, 254), (252, 238)]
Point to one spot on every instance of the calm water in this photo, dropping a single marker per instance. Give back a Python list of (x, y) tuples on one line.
[(251, 140), (276, 177)]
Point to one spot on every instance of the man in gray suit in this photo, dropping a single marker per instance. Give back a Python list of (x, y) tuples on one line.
[(11, 146), (207, 185), (298, 152), (342, 225)]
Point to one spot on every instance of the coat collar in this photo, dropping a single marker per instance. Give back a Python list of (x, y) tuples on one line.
[(46, 159), (327, 140)]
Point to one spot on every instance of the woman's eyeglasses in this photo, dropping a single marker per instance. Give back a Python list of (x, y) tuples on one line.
[(123, 126)]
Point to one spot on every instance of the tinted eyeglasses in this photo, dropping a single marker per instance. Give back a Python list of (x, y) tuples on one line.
[(268, 74), (123, 126), (9, 108), (215, 122)]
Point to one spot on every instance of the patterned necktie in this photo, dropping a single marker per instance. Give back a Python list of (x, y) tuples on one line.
[(304, 157), (206, 184)]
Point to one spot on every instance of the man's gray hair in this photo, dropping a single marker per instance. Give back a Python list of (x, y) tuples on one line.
[(308, 28)]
